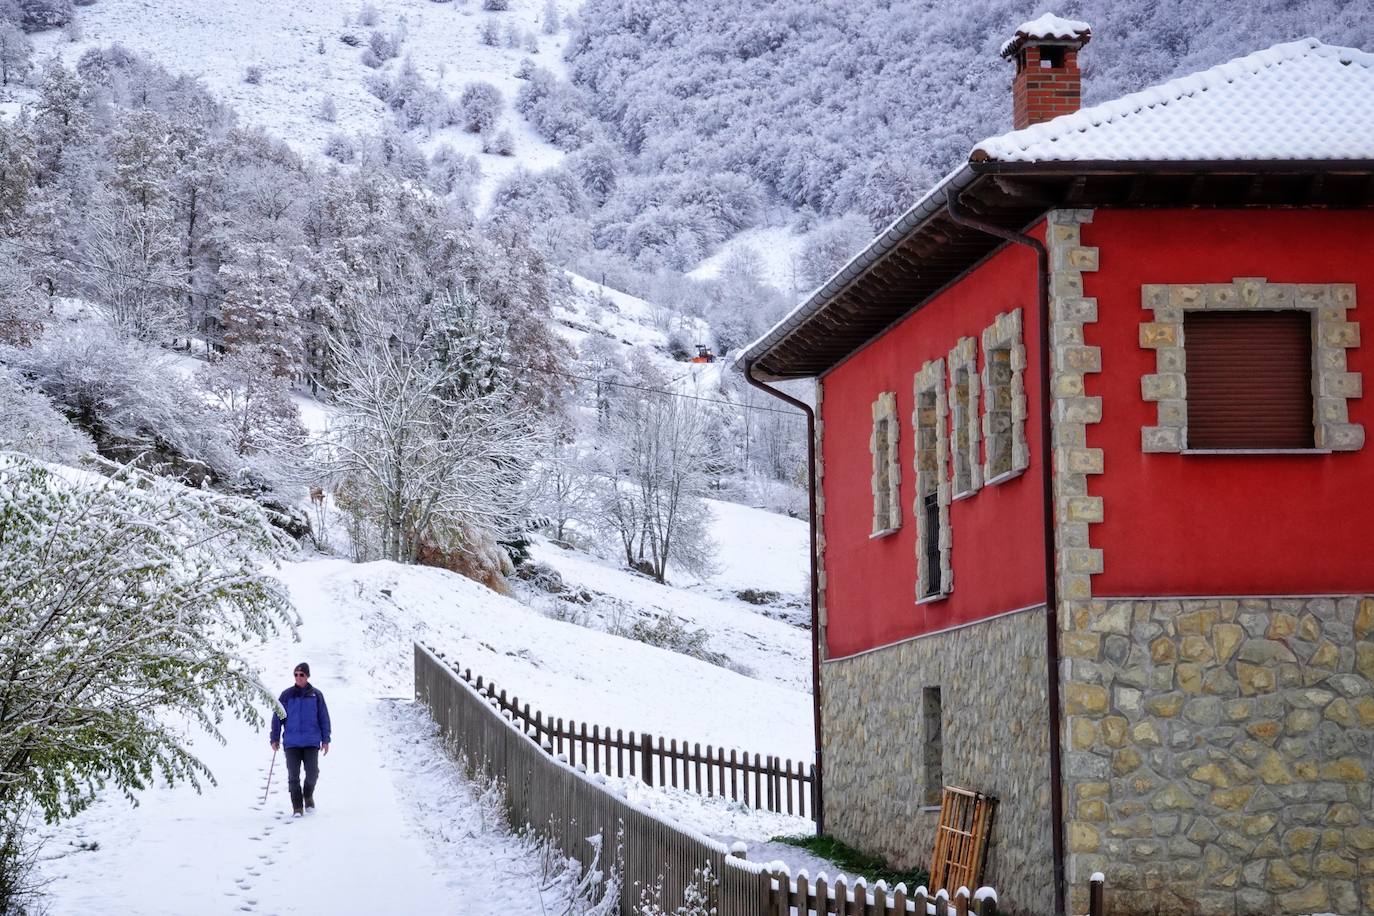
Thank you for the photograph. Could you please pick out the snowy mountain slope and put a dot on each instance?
(217, 42)
(564, 669)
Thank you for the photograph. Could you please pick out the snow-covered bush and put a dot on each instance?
(39, 15)
(124, 604)
(498, 142)
(125, 395)
(29, 423)
(328, 110)
(340, 148)
(481, 105)
(496, 4)
(367, 15)
(451, 171)
(252, 75)
(696, 897)
(489, 33)
(560, 112)
(16, 53)
(549, 20)
(384, 47)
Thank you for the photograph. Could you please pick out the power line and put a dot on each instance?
(301, 319)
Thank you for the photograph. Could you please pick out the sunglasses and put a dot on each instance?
(301, 674)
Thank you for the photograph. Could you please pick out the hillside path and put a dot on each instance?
(396, 831)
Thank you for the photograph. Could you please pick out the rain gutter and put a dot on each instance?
(1042, 260)
(818, 795)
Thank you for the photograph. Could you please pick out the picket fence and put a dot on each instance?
(570, 806)
(766, 782)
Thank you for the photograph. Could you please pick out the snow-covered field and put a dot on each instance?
(217, 42)
(397, 829)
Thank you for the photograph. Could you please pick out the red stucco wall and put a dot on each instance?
(1235, 525)
(996, 533)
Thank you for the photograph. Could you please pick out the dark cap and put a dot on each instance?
(302, 668)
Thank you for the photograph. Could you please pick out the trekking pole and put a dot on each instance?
(269, 776)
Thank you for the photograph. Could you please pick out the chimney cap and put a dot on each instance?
(1048, 29)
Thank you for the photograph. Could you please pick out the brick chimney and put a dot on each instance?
(1047, 82)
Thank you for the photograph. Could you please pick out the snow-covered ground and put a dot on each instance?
(396, 830)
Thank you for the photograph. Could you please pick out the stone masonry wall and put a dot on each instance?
(1220, 753)
(994, 737)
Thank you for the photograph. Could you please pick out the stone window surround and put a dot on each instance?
(965, 356)
(1005, 333)
(885, 414)
(1332, 334)
(931, 379)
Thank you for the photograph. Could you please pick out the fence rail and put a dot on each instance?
(570, 807)
(769, 783)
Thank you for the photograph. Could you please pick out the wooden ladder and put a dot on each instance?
(961, 839)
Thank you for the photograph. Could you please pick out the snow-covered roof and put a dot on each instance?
(1048, 27)
(1302, 100)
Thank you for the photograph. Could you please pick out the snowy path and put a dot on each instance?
(397, 831)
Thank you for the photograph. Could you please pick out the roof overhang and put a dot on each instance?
(925, 250)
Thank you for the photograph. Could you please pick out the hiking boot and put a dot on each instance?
(296, 811)
(310, 801)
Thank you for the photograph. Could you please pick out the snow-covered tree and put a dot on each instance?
(254, 402)
(137, 277)
(481, 105)
(124, 606)
(549, 20)
(431, 446)
(259, 310)
(29, 423)
(565, 490)
(16, 52)
(655, 482)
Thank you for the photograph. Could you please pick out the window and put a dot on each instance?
(1004, 399)
(1250, 365)
(1248, 379)
(887, 470)
(963, 402)
(933, 573)
(934, 748)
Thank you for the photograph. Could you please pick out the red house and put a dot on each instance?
(1093, 501)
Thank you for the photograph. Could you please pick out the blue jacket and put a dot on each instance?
(307, 718)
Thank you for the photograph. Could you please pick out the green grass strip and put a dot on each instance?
(853, 862)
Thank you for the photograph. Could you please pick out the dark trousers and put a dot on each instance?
(295, 756)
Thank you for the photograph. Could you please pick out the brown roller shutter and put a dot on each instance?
(1249, 379)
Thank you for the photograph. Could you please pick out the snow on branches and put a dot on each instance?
(124, 602)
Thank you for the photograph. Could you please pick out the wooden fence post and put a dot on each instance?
(646, 750)
(1096, 902)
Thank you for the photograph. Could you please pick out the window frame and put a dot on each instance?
(966, 422)
(886, 493)
(930, 459)
(1332, 334)
(1005, 333)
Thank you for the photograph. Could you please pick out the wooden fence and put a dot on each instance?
(570, 807)
(765, 782)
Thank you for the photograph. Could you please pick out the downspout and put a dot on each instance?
(1042, 260)
(815, 580)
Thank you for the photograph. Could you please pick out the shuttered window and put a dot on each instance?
(1249, 379)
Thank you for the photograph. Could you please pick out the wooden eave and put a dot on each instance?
(935, 251)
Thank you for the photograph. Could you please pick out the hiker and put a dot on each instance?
(306, 734)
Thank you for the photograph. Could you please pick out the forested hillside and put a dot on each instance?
(859, 105)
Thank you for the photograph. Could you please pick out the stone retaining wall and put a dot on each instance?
(994, 738)
(1219, 753)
